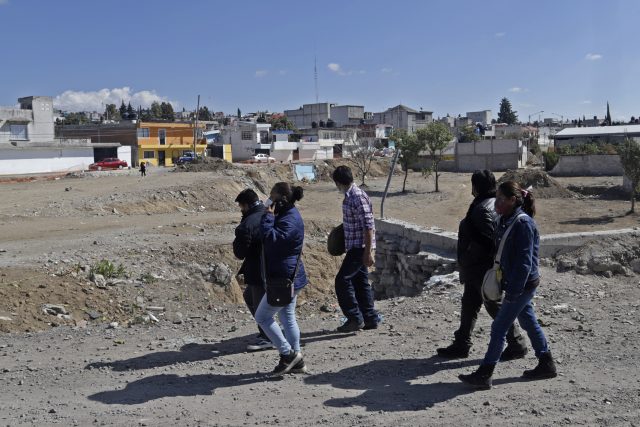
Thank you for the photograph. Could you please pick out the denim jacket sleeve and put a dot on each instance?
(520, 255)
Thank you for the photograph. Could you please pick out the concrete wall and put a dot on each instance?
(495, 155)
(44, 160)
(124, 153)
(588, 165)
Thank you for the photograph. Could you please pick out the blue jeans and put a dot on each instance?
(265, 313)
(522, 310)
(353, 290)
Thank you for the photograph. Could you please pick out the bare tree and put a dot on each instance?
(360, 154)
(629, 152)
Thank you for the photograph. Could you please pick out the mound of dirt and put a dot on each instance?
(379, 168)
(608, 256)
(544, 186)
(208, 164)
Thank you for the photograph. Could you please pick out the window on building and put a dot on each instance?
(143, 133)
(247, 135)
(18, 132)
(149, 154)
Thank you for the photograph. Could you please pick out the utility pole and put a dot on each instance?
(195, 131)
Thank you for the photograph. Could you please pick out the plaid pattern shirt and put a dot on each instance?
(357, 216)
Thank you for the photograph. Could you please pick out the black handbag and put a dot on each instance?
(279, 290)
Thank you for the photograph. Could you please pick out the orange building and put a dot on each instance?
(162, 143)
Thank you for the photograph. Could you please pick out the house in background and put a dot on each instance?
(596, 135)
(162, 143)
(247, 139)
(28, 144)
(403, 117)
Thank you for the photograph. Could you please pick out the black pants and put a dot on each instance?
(353, 290)
(471, 303)
(252, 296)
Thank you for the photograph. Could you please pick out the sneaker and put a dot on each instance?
(299, 368)
(373, 324)
(480, 379)
(287, 362)
(261, 344)
(351, 326)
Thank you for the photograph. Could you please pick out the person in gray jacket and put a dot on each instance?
(475, 256)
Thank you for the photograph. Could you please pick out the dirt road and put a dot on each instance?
(171, 233)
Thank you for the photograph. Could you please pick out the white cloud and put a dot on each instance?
(593, 56)
(261, 73)
(71, 100)
(386, 70)
(282, 72)
(517, 89)
(362, 72)
(4, 2)
(499, 35)
(586, 102)
(336, 68)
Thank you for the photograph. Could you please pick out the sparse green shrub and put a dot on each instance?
(550, 160)
(108, 269)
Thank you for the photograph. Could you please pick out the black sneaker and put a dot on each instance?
(287, 362)
(546, 368)
(299, 368)
(351, 326)
(480, 379)
(373, 324)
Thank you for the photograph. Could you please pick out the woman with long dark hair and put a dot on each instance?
(283, 234)
(520, 279)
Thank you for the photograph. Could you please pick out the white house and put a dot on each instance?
(596, 135)
(247, 139)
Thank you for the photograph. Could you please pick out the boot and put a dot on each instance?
(546, 368)
(454, 351)
(513, 352)
(481, 378)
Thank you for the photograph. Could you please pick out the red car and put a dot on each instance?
(109, 163)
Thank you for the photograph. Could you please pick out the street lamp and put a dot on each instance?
(541, 111)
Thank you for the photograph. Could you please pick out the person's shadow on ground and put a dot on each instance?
(194, 352)
(170, 385)
(388, 386)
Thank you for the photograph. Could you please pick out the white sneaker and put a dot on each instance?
(260, 344)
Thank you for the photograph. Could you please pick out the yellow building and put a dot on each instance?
(162, 143)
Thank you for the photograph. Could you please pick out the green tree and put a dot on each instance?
(629, 152)
(607, 118)
(281, 122)
(436, 137)
(468, 134)
(130, 110)
(123, 110)
(204, 114)
(361, 154)
(409, 148)
(111, 112)
(506, 113)
(76, 118)
(239, 113)
(167, 112)
(155, 111)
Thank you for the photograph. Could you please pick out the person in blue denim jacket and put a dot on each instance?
(520, 279)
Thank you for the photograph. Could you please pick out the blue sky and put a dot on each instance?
(566, 57)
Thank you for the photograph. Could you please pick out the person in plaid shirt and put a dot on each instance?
(353, 289)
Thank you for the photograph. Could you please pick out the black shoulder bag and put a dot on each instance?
(280, 290)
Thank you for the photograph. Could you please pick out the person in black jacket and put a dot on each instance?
(476, 249)
(247, 246)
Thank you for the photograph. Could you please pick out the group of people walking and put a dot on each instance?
(270, 240)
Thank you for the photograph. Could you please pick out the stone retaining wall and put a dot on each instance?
(407, 255)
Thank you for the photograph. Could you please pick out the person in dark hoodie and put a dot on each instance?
(475, 257)
(283, 240)
(519, 277)
(247, 246)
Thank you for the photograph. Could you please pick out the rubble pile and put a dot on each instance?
(606, 257)
(544, 186)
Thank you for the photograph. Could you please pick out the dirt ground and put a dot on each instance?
(171, 232)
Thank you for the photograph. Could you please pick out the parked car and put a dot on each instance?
(187, 157)
(263, 158)
(108, 163)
